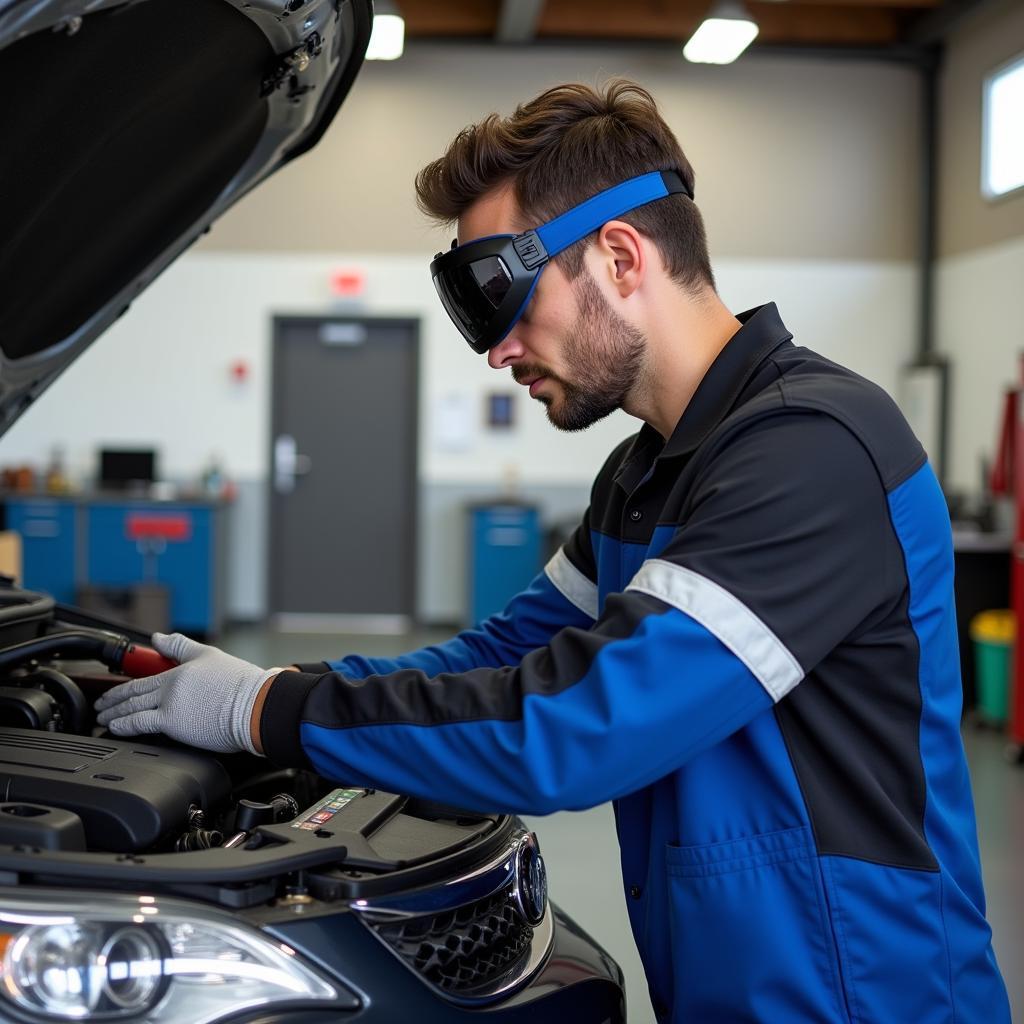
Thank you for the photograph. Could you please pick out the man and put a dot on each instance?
(749, 644)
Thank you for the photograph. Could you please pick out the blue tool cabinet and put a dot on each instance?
(504, 555)
(185, 566)
(120, 542)
(48, 528)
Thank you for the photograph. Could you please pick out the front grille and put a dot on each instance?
(463, 949)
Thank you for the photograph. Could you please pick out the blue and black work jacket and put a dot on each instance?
(749, 645)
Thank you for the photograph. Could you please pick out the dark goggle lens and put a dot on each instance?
(471, 293)
(493, 279)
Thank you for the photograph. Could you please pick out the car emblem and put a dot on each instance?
(531, 881)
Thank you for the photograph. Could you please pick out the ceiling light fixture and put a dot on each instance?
(723, 35)
(387, 40)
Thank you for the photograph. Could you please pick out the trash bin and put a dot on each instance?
(993, 633)
(504, 555)
(145, 606)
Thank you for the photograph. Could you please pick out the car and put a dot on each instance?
(144, 880)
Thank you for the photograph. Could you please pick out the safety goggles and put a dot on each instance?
(485, 285)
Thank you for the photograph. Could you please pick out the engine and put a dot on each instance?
(84, 793)
(67, 785)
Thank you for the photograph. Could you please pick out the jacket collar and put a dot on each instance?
(762, 332)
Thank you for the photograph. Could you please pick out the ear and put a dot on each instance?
(622, 256)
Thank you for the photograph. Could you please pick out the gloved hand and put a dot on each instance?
(206, 701)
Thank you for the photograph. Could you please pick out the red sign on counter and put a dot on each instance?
(140, 525)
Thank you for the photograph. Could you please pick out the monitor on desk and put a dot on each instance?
(122, 468)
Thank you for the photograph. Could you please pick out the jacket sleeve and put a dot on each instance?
(563, 594)
(778, 561)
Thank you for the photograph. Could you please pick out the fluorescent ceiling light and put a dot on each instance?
(722, 36)
(387, 38)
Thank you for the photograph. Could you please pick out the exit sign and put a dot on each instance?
(349, 282)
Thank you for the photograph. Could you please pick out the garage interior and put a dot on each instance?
(844, 167)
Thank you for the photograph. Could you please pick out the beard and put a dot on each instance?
(604, 360)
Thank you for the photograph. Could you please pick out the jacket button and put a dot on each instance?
(636, 515)
(634, 892)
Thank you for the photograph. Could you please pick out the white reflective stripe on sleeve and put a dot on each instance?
(725, 617)
(572, 584)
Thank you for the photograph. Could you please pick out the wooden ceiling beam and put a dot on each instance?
(896, 4)
(805, 24)
(827, 23)
(450, 18)
(857, 23)
(639, 19)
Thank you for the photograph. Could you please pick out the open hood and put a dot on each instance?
(128, 127)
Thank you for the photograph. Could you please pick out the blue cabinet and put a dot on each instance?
(97, 540)
(504, 555)
(48, 528)
(139, 542)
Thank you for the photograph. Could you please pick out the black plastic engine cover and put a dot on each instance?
(128, 795)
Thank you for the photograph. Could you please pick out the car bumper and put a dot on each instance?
(578, 981)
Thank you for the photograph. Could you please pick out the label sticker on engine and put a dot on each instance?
(321, 813)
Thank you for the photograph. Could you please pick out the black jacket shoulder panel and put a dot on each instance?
(811, 383)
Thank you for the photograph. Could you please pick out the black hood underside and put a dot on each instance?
(159, 107)
(129, 127)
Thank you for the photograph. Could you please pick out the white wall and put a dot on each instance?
(981, 244)
(161, 376)
(801, 158)
(979, 328)
(987, 37)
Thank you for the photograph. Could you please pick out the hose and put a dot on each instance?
(116, 652)
(65, 691)
(18, 605)
(79, 644)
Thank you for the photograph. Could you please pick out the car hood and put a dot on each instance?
(128, 127)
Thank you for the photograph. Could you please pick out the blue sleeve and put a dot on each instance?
(592, 716)
(767, 574)
(529, 621)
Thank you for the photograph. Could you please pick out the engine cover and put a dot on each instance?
(129, 795)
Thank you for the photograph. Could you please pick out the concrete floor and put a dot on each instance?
(582, 854)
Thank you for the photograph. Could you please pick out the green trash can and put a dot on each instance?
(993, 633)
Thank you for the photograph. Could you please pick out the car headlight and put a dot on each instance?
(142, 958)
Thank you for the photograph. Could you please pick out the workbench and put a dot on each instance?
(982, 581)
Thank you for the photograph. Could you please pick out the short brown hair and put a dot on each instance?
(558, 150)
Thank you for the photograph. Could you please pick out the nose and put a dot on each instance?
(509, 349)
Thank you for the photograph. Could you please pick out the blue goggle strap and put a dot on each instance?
(577, 223)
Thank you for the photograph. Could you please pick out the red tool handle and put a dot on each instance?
(141, 661)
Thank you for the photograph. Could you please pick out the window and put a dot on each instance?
(1002, 156)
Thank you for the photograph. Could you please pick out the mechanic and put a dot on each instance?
(749, 643)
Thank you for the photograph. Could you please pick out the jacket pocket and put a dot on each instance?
(750, 931)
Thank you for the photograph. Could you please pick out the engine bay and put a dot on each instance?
(77, 804)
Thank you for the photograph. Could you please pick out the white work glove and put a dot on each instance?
(206, 701)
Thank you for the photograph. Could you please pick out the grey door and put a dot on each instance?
(343, 473)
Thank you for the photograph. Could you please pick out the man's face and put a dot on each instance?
(570, 348)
